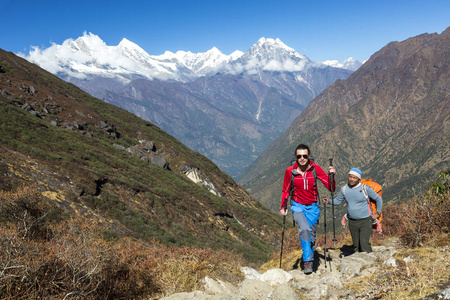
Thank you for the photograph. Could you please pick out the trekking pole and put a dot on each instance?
(325, 230)
(332, 187)
(282, 234)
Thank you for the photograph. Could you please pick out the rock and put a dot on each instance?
(251, 273)
(440, 295)
(390, 262)
(52, 108)
(284, 292)
(252, 289)
(333, 279)
(352, 264)
(219, 287)
(199, 295)
(408, 259)
(35, 113)
(159, 161)
(146, 150)
(119, 147)
(298, 275)
(275, 277)
(195, 175)
(277, 284)
(27, 107)
(313, 288)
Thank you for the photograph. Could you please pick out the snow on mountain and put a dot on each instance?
(88, 55)
(269, 55)
(200, 63)
(348, 64)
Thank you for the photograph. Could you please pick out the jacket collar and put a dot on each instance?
(310, 167)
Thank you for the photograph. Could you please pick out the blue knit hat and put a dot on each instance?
(355, 171)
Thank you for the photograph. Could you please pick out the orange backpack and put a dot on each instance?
(376, 187)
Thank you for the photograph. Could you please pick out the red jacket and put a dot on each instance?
(304, 190)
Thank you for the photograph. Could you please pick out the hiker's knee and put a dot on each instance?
(305, 233)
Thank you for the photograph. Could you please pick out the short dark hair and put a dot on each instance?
(302, 147)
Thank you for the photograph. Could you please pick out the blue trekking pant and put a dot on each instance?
(306, 217)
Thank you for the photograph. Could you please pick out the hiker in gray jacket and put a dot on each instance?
(360, 214)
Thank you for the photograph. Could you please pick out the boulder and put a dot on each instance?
(251, 273)
(284, 292)
(215, 287)
(351, 265)
(252, 289)
(276, 277)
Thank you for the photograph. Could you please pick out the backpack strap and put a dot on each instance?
(291, 188)
(364, 190)
(315, 177)
(291, 191)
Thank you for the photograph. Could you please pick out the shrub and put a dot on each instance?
(73, 260)
(420, 219)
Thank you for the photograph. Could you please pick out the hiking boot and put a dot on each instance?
(308, 267)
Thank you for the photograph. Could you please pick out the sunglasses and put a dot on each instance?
(302, 155)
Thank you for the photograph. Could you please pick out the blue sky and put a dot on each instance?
(321, 30)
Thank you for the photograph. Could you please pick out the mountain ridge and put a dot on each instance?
(90, 48)
(262, 90)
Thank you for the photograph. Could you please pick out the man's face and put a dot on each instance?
(302, 157)
(353, 180)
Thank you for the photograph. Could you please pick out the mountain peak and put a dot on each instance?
(348, 64)
(271, 55)
(89, 42)
(275, 43)
(127, 43)
(214, 50)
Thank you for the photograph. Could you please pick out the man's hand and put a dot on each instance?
(375, 216)
(325, 200)
(283, 211)
(331, 170)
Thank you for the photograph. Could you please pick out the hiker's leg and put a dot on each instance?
(313, 237)
(365, 231)
(354, 232)
(305, 233)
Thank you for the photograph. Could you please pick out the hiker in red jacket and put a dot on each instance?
(305, 208)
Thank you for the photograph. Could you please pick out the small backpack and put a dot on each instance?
(373, 204)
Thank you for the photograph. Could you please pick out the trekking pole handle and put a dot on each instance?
(332, 187)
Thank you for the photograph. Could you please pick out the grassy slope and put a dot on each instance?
(137, 198)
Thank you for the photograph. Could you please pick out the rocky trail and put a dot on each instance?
(343, 269)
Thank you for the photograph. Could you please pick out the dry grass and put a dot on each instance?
(45, 258)
(426, 271)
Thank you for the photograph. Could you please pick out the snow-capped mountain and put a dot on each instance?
(89, 55)
(270, 55)
(201, 63)
(227, 107)
(348, 64)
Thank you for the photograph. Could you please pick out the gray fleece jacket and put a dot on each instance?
(357, 205)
